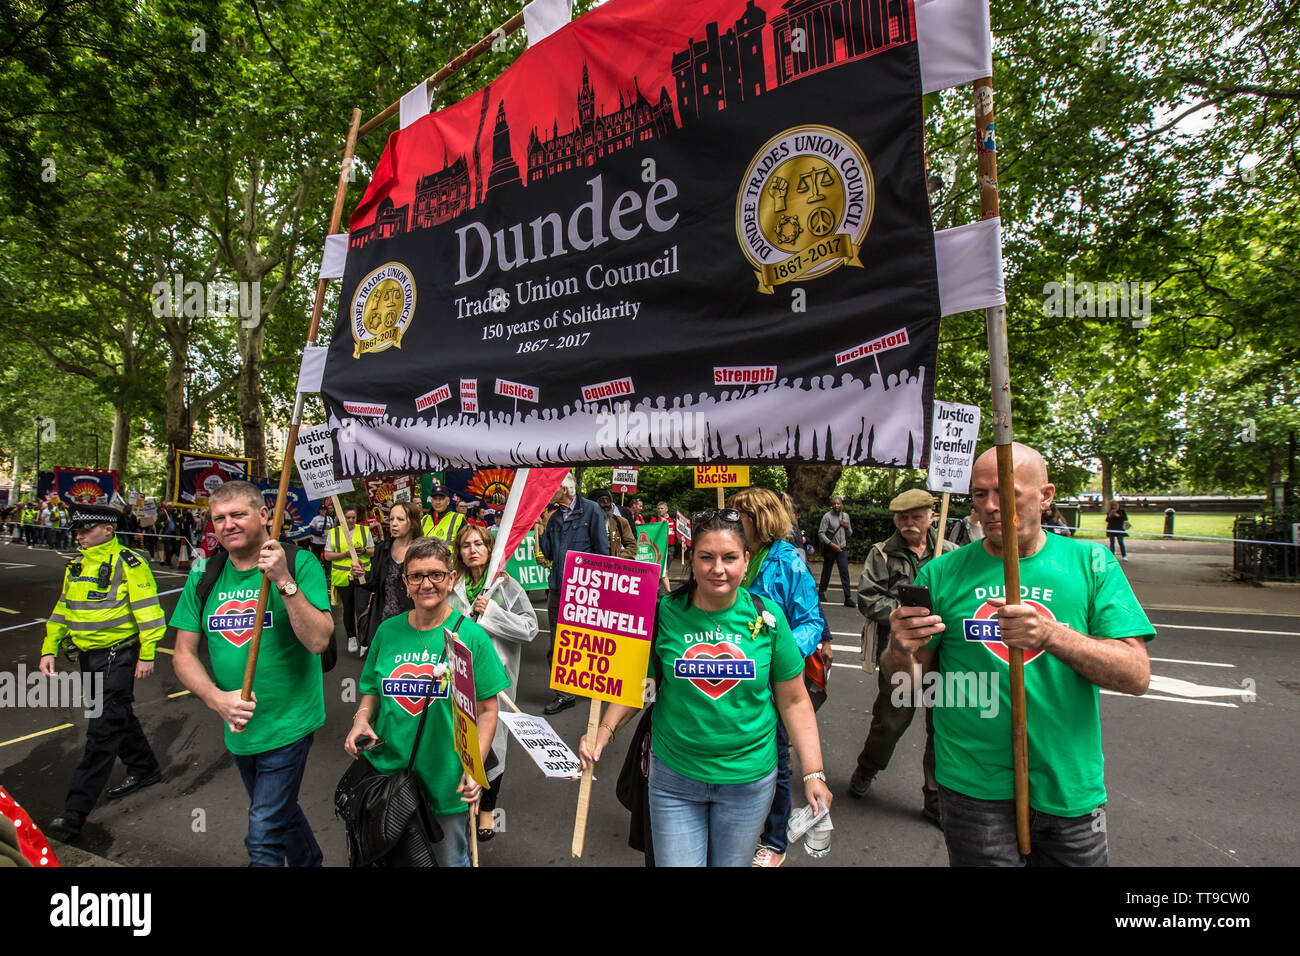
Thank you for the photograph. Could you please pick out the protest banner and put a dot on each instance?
(652, 543)
(87, 486)
(525, 569)
(383, 490)
(519, 234)
(953, 434)
(198, 475)
(624, 481)
(465, 717)
(683, 530)
(546, 748)
(602, 642)
(314, 456)
(299, 508)
(721, 476)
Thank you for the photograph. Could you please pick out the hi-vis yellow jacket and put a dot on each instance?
(445, 528)
(341, 568)
(109, 594)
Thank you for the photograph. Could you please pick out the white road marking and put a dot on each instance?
(1176, 700)
(1175, 660)
(1224, 630)
(1185, 688)
(1216, 610)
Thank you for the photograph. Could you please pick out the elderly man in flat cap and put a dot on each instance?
(892, 562)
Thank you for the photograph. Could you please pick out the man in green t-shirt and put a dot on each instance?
(270, 735)
(1080, 628)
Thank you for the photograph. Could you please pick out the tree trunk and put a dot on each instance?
(1106, 489)
(121, 440)
(811, 486)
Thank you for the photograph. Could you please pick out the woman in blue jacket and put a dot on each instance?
(777, 572)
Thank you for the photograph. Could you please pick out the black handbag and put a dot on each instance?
(386, 817)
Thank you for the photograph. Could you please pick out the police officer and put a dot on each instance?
(445, 521)
(109, 612)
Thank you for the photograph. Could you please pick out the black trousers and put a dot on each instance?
(353, 599)
(114, 733)
(840, 558)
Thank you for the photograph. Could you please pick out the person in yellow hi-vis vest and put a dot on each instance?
(109, 612)
(444, 522)
(336, 553)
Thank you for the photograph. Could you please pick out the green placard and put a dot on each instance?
(523, 566)
(652, 543)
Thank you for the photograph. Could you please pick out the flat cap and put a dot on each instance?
(916, 498)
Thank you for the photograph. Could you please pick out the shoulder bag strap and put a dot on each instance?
(424, 713)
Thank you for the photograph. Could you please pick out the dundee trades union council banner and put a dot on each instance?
(669, 232)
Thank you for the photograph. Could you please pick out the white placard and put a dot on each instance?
(314, 456)
(543, 744)
(955, 430)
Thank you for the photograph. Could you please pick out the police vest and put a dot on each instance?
(341, 568)
(109, 595)
(445, 529)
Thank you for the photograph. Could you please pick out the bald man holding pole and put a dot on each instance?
(1080, 629)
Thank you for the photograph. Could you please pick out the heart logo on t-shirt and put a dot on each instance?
(714, 668)
(408, 684)
(233, 620)
(990, 635)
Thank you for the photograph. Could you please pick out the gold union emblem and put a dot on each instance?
(382, 308)
(804, 206)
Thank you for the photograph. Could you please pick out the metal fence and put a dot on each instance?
(1265, 562)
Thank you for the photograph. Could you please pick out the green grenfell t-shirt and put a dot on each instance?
(714, 718)
(1075, 582)
(288, 683)
(398, 669)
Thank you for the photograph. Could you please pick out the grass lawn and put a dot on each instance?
(1192, 523)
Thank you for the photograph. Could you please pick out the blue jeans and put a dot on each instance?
(706, 824)
(453, 848)
(778, 818)
(278, 832)
(983, 833)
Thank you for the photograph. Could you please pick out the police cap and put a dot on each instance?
(87, 516)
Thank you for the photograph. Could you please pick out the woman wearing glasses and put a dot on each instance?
(408, 651)
(713, 738)
(509, 620)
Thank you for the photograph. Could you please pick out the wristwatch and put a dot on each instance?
(289, 589)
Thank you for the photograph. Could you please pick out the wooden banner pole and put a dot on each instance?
(584, 788)
(473, 53)
(943, 525)
(1000, 384)
(286, 470)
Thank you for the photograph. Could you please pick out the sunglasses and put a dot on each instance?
(434, 577)
(721, 514)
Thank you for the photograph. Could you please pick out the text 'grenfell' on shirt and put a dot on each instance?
(1076, 583)
(398, 670)
(714, 717)
(288, 681)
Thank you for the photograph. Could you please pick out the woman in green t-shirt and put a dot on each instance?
(713, 737)
(408, 651)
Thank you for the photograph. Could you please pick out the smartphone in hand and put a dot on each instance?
(909, 595)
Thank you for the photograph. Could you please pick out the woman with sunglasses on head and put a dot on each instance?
(778, 573)
(384, 579)
(409, 650)
(717, 662)
(510, 621)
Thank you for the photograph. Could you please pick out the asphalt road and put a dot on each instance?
(1198, 773)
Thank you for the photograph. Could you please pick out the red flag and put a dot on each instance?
(530, 493)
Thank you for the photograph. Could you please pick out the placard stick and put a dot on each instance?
(995, 318)
(722, 503)
(508, 702)
(584, 788)
(295, 421)
(338, 510)
(473, 833)
(943, 525)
